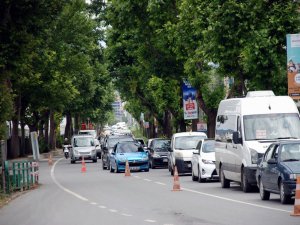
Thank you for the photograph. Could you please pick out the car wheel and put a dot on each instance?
(244, 182)
(95, 160)
(103, 167)
(152, 165)
(194, 178)
(172, 171)
(111, 169)
(225, 183)
(264, 195)
(284, 198)
(200, 179)
(72, 161)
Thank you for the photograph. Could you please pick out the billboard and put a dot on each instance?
(293, 65)
(190, 105)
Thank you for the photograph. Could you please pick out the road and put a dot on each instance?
(68, 197)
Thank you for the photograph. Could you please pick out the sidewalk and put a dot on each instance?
(57, 153)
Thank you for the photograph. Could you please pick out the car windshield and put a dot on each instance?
(208, 146)
(129, 147)
(187, 142)
(161, 145)
(113, 141)
(272, 126)
(83, 142)
(290, 152)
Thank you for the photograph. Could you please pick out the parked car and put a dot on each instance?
(83, 146)
(203, 161)
(108, 146)
(158, 152)
(181, 151)
(131, 151)
(278, 169)
(94, 134)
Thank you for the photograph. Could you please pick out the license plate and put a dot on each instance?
(134, 168)
(165, 160)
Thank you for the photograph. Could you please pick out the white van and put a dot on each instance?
(181, 151)
(245, 127)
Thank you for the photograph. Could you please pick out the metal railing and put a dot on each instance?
(20, 175)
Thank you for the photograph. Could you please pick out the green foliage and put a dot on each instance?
(5, 108)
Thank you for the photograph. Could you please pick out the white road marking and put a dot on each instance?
(160, 183)
(236, 201)
(147, 180)
(113, 210)
(137, 177)
(124, 214)
(62, 187)
(102, 207)
(150, 221)
(93, 203)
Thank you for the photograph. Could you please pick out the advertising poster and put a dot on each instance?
(293, 65)
(190, 106)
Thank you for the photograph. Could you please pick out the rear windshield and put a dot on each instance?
(187, 142)
(129, 147)
(113, 141)
(208, 146)
(161, 145)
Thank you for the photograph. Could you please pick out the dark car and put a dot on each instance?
(278, 169)
(158, 152)
(108, 145)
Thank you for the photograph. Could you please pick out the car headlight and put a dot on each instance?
(122, 159)
(254, 156)
(145, 158)
(293, 176)
(207, 161)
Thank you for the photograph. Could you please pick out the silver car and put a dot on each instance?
(83, 146)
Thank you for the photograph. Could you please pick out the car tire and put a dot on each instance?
(244, 182)
(225, 183)
(284, 198)
(111, 169)
(103, 167)
(152, 165)
(264, 195)
(194, 178)
(172, 171)
(72, 161)
(95, 160)
(200, 179)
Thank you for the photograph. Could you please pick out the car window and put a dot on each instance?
(187, 142)
(83, 142)
(112, 141)
(208, 146)
(128, 147)
(161, 145)
(290, 152)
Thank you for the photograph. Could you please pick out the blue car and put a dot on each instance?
(133, 152)
(278, 169)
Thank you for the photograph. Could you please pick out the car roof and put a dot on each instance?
(296, 141)
(82, 135)
(184, 134)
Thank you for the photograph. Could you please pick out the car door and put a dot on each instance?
(268, 169)
(272, 170)
(195, 158)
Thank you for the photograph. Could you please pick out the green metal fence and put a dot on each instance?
(20, 175)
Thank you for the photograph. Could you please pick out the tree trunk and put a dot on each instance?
(15, 145)
(22, 149)
(68, 128)
(77, 123)
(182, 125)
(211, 123)
(47, 130)
(167, 129)
(52, 142)
(194, 124)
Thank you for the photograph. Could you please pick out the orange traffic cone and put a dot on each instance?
(297, 199)
(176, 185)
(50, 161)
(83, 167)
(127, 169)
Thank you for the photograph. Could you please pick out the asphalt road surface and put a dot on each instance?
(66, 196)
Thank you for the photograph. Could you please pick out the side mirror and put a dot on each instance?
(170, 149)
(236, 138)
(113, 153)
(196, 153)
(272, 161)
